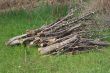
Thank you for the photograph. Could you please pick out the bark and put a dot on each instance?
(56, 46)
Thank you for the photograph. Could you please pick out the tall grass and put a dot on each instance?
(17, 4)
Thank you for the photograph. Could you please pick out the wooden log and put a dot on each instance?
(64, 32)
(69, 31)
(35, 42)
(11, 41)
(19, 40)
(94, 42)
(57, 46)
(81, 48)
(26, 41)
(64, 38)
(15, 42)
(53, 40)
(99, 43)
(82, 17)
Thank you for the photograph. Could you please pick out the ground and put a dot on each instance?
(20, 59)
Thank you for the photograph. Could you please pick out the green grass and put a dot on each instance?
(21, 59)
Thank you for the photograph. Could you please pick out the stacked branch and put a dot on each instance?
(64, 35)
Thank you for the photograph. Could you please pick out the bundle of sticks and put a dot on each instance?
(64, 35)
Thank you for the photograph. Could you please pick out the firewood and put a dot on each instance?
(15, 42)
(27, 40)
(82, 48)
(18, 41)
(70, 30)
(94, 42)
(11, 41)
(99, 43)
(34, 42)
(64, 32)
(64, 35)
(64, 38)
(56, 46)
(82, 17)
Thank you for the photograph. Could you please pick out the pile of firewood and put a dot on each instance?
(67, 34)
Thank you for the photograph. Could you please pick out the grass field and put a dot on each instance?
(20, 59)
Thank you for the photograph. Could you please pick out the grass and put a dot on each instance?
(20, 59)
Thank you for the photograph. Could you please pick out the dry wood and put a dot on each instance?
(34, 42)
(63, 35)
(99, 43)
(15, 42)
(94, 42)
(64, 32)
(18, 40)
(11, 41)
(70, 30)
(82, 17)
(56, 46)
